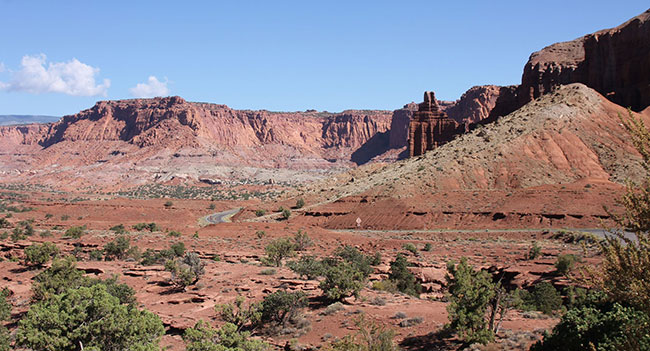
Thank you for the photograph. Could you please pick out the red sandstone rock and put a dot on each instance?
(614, 62)
(399, 125)
(113, 136)
(430, 127)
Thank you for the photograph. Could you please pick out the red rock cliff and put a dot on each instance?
(615, 62)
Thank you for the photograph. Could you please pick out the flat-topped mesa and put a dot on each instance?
(430, 127)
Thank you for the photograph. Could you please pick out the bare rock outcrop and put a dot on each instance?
(399, 125)
(614, 62)
(430, 127)
(482, 103)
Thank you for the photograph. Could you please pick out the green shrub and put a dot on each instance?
(342, 280)
(118, 248)
(178, 248)
(564, 263)
(411, 248)
(118, 229)
(370, 337)
(534, 252)
(361, 262)
(403, 278)
(300, 203)
(174, 234)
(40, 254)
(599, 327)
(65, 217)
(385, 285)
(96, 255)
(63, 275)
(88, 316)
(281, 306)
(286, 213)
(240, 315)
(17, 234)
(279, 249)
(5, 307)
(543, 297)
(307, 266)
(470, 293)
(428, 247)
(168, 204)
(202, 337)
(260, 234)
(75, 232)
(302, 240)
(45, 234)
(152, 227)
(5, 315)
(48, 215)
(186, 271)
(260, 213)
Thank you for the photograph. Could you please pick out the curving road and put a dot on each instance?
(221, 217)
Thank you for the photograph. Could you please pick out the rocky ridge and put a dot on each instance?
(144, 140)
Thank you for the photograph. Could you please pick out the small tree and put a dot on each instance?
(302, 240)
(307, 266)
(470, 293)
(186, 271)
(534, 252)
(118, 229)
(40, 254)
(403, 278)
(178, 248)
(202, 337)
(5, 315)
(544, 297)
(286, 213)
(61, 275)
(564, 264)
(342, 280)
(370, 337)
(279, 249)
(117, 248)
(300, 203)
(281, 306)
(75, 232)
(240, 315)
(88, 317)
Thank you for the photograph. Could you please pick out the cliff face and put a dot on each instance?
(481, 103)
(614, 62)
(28, 134)
(399, 125)
(173, 122)
(170, 137)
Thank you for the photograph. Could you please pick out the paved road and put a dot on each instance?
(221, 217)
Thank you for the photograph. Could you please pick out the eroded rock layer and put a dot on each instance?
(615, 62)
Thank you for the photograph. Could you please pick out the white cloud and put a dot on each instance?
(72, 77)
(152, 88)
(2, 67)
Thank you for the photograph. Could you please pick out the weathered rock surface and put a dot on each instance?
(399, 125)
(483, 103)
(166, 135)
(430, 127)
(614, 62)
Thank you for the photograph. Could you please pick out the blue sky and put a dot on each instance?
(59, 57)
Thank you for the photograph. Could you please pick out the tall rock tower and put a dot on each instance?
(430, 127)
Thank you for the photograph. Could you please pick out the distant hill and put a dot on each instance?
(7, 120)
